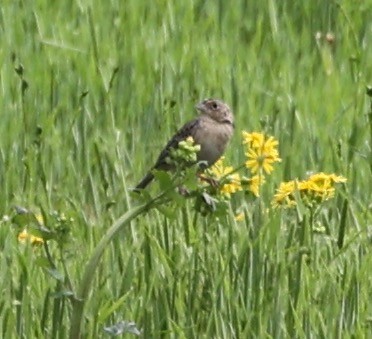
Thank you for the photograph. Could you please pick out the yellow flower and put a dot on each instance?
(261, 152)
(24, 236)
(254, 184)
(233, 185)
(39, 218)
(317, 188)
(284, 194)
(323, 179)
(231, 181)
(253, 139)
(322, 184)
(240, 216)
(219, 170)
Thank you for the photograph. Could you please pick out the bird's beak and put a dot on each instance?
(200, 107)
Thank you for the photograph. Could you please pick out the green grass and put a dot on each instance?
(96, 78)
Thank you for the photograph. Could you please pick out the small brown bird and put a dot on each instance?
(212, 130)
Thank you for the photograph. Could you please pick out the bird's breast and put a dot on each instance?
(213, 139)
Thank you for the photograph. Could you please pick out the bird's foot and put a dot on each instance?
(212, 182)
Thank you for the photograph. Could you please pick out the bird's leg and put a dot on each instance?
(212, 182)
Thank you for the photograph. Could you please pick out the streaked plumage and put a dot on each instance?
(212, 130)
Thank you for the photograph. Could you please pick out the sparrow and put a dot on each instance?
(212, 130)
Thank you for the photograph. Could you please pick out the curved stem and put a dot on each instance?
(91, 266)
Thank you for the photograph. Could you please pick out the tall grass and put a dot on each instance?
(91, 91)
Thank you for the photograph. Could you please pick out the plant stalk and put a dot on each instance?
(90, 268)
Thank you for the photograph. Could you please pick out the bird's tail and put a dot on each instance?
(145, 181)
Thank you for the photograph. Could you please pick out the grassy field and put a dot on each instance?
(90, 93)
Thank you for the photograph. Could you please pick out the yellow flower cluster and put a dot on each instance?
(34, 240)
(261, 153)
(317, 188)
(231, 181)
(25, 236)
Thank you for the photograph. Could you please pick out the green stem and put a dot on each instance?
(90, 268)
(48, 255)
(68, 280)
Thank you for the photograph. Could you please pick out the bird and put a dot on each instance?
(212, 129)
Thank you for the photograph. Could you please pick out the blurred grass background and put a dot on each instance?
(91, 91)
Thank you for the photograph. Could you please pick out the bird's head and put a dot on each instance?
(217, 110)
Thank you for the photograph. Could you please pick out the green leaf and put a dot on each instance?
(164, 179)
(55, 273)
(41, 232)
(62, 294)
(191, 179)
(300, 207)
(142, 196)
(108, 309)
(167, 211)
(43, 262)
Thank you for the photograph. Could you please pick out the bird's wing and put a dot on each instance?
(183, 133)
